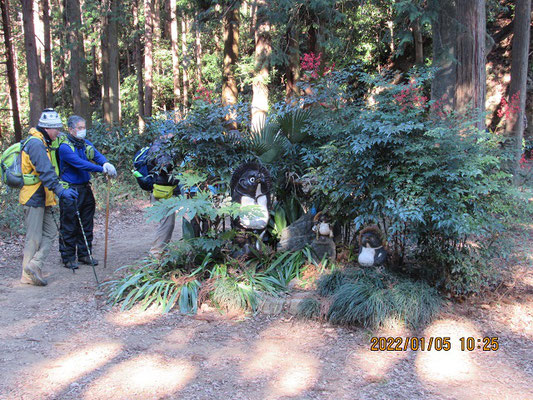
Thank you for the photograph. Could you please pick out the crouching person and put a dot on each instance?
(38, 198)
(77, 158)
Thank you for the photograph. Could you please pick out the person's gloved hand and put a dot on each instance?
(69, 195)
(109, 170)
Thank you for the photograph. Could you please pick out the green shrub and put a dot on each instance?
(431, 181)
(11, 212)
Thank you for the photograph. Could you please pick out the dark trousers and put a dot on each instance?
(71, 238)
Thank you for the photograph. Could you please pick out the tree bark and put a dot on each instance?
(444, 39)
(263, 50)
(138, 67)
(514, 126)
(198, 49)
(39, 41)
(11, 75)
(78, 69)
(292, 75)
(175, 54)
(110, 72)
(148, 58)
(62, 43)
(34, 78)
(470, 52)
(48, 68)
(184, 32)
(419, 44)
(230, 23)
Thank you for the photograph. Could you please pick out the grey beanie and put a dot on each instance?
(50, 119)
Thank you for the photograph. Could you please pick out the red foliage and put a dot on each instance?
(506, 108)
(202, 93)
(312, 64)
(411, 97)
(525, 163)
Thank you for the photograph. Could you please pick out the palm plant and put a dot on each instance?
(266, 142)
(292, 124)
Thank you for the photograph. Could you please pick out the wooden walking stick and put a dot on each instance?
(107, 220)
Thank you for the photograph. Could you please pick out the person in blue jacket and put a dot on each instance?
(77, 159)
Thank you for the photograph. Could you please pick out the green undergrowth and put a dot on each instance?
(372, 298)
(11, 212)
(198, 270)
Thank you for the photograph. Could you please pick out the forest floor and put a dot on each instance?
(63, 342)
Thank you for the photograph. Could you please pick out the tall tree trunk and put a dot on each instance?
(444, 39)
(263, 50)
(293, 67)
(11, 76)
(419, 44)
(528, 132)
(198, 49)
(148, 58)
(175, 54)
(39, 41)
(78, 69)
(156, 10)
(184, 32)
(390, 25)
(61, 43)
(230, 91)
(470, 52)
(111, 89)
(114, 73)
(34, 78)
(138, 66)
(48, 69)
(514, 127)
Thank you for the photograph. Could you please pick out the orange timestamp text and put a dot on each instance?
(438, 343)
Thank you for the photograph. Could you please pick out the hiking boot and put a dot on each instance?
(33, 276)
(87, 260)
(70, 264)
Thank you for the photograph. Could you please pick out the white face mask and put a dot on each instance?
(81, 134)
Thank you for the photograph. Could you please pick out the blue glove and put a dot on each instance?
(69, 195)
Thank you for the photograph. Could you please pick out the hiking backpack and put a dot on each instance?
(141, 171)
(11, 166)
(11, 161)
(54, 152)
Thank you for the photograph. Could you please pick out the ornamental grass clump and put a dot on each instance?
(372, 299)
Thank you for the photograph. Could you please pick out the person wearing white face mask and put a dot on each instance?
(77, 159)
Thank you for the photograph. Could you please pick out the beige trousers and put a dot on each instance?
(163, 233)
(41, 231)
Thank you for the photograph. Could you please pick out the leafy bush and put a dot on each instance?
(11, 212)
(432, 181)
(198, 269)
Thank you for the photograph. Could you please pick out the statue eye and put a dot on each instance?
(252, 179)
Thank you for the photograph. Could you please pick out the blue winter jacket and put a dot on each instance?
(74, 165)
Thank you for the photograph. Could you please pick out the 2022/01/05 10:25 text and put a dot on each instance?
(431, 343)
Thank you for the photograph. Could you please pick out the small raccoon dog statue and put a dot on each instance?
(322, 226)
(371, 249)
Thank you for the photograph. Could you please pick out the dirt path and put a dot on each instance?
(63, 342)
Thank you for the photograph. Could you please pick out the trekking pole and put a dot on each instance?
(60, 235)
(107, 220)
(87, 245)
